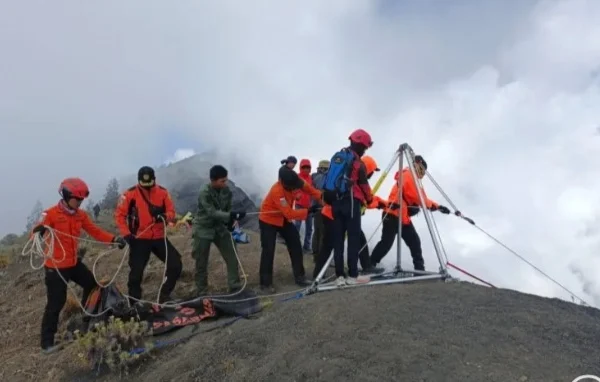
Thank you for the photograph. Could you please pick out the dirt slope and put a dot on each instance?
(420, 332)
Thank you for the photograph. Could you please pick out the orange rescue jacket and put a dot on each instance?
(277, 206)
(410, 195)
(133, 201)
(68, 225)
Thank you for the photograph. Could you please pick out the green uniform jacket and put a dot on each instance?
(214, 207)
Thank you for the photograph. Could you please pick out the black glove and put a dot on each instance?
(314, 208)
(237, 215)
(443, 209)
(394, 206)
(119, 240)
(40, 229)
(381, 205)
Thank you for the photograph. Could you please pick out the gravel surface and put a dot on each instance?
(420, 332)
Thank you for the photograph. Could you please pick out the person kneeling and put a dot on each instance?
(213, 224)
(277, 216)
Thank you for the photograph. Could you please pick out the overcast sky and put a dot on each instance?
(501, 97)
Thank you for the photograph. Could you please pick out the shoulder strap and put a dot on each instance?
(148, 204)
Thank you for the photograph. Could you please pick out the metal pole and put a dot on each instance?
(436, 276)
(426, 212)
(402, 151)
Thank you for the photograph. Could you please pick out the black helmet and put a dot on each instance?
(146, 176)
(290, 179)
(420, 160)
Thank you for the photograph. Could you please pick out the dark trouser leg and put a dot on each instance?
(228, 251)
(201, 253)
(56, 294)
(318, 233)
(326, 245)
(308, 231)
(338, 236)
(172, 258)
(363, 255)
(353, 229)
(413, 242)
(139, 254)
(388, 236)
(83, 277)
(268, 236)
(292, 239)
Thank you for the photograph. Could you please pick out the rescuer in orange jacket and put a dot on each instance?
(276, 216)
(327, 213)
(303, 201)
(409, 207)
(141, 215)
(67, 220)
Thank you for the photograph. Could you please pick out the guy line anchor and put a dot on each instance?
(399, 275)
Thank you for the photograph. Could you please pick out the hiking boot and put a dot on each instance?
(49, 349)
(340, 281)
(268, 289)
(303, 282)
(357, 280)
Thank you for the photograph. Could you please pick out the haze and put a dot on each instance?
(500, 97)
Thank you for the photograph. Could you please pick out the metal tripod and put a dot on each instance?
(398, 275)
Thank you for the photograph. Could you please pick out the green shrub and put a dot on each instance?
(110, 343)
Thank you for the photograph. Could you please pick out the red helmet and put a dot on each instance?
(362, 137)
(73, 188)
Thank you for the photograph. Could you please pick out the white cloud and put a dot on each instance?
(180, 154)
(500, 98)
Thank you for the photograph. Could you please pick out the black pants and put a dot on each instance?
(56, 294)
(317, 239)
(268, 237)
(346, 220)
(139, 255)
(327, 247)
(388, 236)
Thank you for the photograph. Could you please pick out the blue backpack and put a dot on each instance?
(338, 180)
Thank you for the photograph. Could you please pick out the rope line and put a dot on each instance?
(510, 250)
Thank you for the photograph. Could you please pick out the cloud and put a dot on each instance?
(180, 154)
(500, 98)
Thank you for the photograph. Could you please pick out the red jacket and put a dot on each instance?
(361, 189)
(137, 196)
(303, 199)
(68, 225)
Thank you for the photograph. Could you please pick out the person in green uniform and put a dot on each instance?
(213, 224)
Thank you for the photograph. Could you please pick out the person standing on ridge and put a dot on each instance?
(276, 216)
(409, 207)
(318, 180)
(327, 247)
(289, 162)
(346, 189)
(67, 219)
(303, 201)
(96, 211)
(141, 216)
(213, 224)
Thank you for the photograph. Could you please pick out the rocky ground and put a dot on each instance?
(412, 332)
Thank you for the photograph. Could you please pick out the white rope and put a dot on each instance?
(35, 248)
